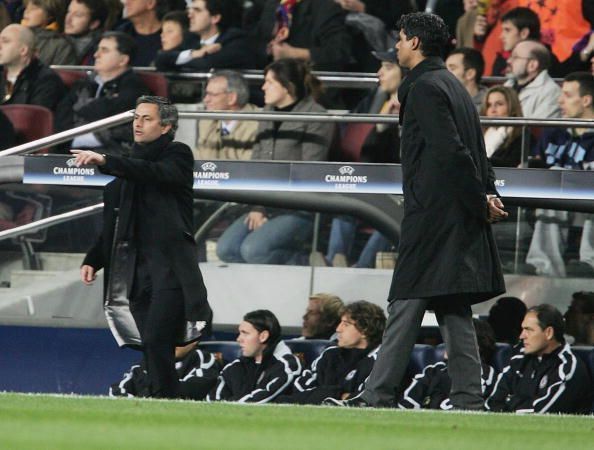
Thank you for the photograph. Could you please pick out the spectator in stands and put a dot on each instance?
(468, 65)
(310, 30)
(175, 33)
(112, 89)
(341, 370)
(503, 144)
(24, 78)
(562, 148)
(46, 19)
(579, 318)
(546, 376)
(144, 25)
(7, 132)
(430, 389)
(277, 237)
(197, 371)
(538, 92)
(465, 24)
(220, 47)
(85, 21)
(266, 368)
(505, 317)
(322, 316)
(226, 139)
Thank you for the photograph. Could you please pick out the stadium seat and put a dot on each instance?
(30, 122)
(352, 139)
(502, 356)
(223, 351)
(156, 82)
(69, 77)
(307, 350)
(421, 356)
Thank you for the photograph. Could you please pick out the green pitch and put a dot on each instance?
(50, 422)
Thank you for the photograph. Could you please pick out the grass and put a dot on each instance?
(68, 422)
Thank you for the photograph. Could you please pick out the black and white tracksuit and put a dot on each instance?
(430, 389)
(337, 371)
(246, 381)
(554, 383)
(197, 372)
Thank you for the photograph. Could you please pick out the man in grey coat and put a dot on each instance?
(447, 255)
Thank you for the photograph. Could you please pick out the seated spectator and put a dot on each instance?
(321, 317)
(175, 33)
(277, 237)
(46, 19)
(503, 144)
(537, 91)
(226, 139)
(505, 317)
(546, 376)
(221, 46)
(85, 21)
(197, 371)
(468, 65)
(340, 371)
(310, 30)
(562, 148)
(24, 79)
(266, 368)
(112, 89)
(143, 24)
(579, 318)
(7, 132)
(430, 389)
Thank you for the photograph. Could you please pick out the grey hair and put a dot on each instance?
(167, 111)
(235, 83)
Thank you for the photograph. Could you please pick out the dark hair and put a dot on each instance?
(55, 9)
(369, 319)
(224, 8)
(541, 54)
(485, 337)
(295, 76)
(98, 10)
(514, 109)
(430, 29)
(524, 18)
(124, 43)
(585, 80)
(505, 317)
(265, 320)
(179, 17)
(471, 59)
(586, 300)
(549, 316)
(168, 114)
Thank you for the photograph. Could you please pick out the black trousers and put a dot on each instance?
(158, 309)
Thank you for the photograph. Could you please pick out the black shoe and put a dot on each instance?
(355, 402)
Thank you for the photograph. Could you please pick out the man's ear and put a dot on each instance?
(549, 333)
(233, 98)
(126, 60)
(216, 19)
(587, 101)
(165, 128)
(470, 74)
(94, 25)
(415, 43)
(524, 33)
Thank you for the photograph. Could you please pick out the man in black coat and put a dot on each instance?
(447, 254)
(154, 293)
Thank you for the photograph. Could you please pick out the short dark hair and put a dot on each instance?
(506, 316)
(98, 10)
(369, 319)
(224, 8)
(471, 59)
(549, 316)
(431, 30)
(124, 43)
(265, 320)
(180, 17)
(585, 80)
(168, 114)
(586, 301)
(524, 18)
(295, 76)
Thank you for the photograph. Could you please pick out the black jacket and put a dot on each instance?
(245, 381)
(151, 200)
(235, 53)
(555, 383)
(37, 84)
(446, 246)
(7, 132)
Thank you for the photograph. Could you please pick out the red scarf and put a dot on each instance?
(284, 17)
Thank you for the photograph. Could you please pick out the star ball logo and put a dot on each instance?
(209, 167)
(209, 175)
(346, 180)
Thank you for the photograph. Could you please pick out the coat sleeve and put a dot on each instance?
(199, 375)
(414, 395)
(310, 378)
(131, 384)
(47, 91)
(497, 401)
(316, 144)
(233, 55)
(94, 256)
(277, 382)
(172, 169)
(223, 389)
(447, 153)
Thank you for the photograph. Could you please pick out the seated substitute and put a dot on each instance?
(579, 318)
(341, 370)
(197, 370)
(430, 389)
(266, 368)
(545, 376)
(321, 317)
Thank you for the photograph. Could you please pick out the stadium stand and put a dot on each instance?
(30, 122)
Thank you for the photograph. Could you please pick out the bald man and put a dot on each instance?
(23, 78)
(528, 66)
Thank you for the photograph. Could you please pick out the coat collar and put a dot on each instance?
(152, 150)
(427, 65)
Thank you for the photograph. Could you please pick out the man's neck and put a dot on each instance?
(554, 345)
(587, 115)
(472, 88)
(14, 70)
(108, 76)
(146, 23)
(416, 59)
(207, 34)
(527, 80)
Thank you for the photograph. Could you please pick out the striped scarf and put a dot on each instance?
(284, 17)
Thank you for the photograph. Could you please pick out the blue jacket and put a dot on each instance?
(562, 148)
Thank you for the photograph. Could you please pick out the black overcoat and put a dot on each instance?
(151, 200)
(446, 248)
